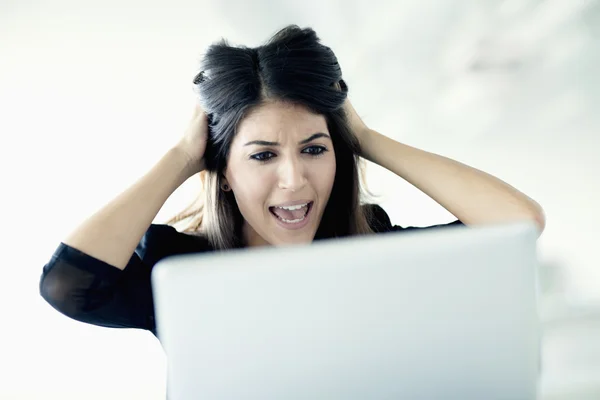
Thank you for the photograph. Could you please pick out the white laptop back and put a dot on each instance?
(437, 314)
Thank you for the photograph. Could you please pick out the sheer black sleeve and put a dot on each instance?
(380, 221)
(89, 290)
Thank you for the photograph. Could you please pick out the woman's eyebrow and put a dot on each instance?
(315, 136)
(308, 139)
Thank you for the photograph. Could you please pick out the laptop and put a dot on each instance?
(432, 314)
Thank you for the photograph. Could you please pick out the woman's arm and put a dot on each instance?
(471, 195)
(113, 232)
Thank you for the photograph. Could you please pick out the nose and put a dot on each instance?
(292, 175)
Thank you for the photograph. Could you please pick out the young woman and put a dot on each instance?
(278, 144)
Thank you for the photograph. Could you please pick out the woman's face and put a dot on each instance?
(281, 169)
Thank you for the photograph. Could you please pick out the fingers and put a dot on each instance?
(198, 110)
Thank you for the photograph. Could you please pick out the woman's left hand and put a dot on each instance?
(357, 125)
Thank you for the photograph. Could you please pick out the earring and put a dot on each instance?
(225, 187)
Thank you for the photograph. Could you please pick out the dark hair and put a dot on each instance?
(293, 67)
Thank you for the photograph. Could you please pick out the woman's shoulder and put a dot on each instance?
(380, 222)
(378, 219)
(162, 240)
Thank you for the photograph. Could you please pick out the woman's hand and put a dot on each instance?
(357, 125)
(193, 142)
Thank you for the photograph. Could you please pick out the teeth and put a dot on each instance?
(292, 208)
(292, 221)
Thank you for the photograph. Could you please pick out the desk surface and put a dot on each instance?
(571, 357)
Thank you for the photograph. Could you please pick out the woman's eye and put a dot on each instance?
(315, 150)
(264, 156)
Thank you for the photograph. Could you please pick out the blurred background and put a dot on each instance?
(93, 93)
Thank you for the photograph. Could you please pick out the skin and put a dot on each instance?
(471, 195)
(299, 167)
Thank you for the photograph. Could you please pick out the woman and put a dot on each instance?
(277, 144)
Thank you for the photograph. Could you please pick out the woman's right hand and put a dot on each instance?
(193, 142)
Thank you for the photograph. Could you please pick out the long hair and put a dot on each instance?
(293, 67)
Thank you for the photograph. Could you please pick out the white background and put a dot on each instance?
(93, 93)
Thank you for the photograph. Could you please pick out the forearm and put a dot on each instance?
(471, 195)
(113, 232)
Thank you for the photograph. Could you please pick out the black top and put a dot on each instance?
(92, 291)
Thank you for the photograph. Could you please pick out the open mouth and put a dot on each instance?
(292, 215)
